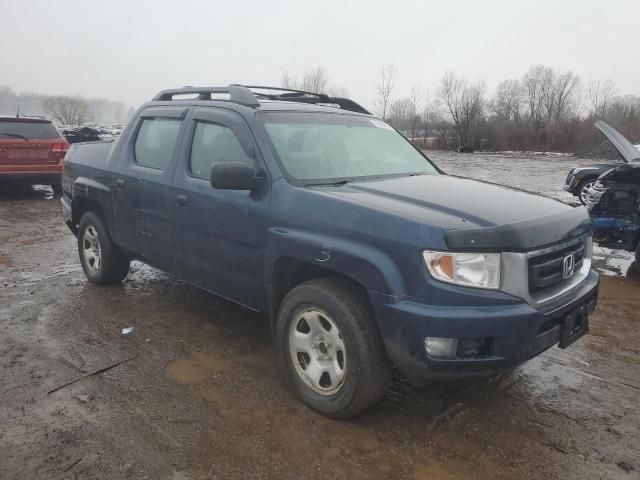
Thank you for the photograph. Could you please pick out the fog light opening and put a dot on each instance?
(441, 347)
(473, 347)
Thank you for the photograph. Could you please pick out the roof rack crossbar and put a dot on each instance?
(237, 94)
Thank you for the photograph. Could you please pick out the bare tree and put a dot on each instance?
(536, 83)
(508, 101)
(287, 81)
(399, 114)
(314, 80)
(335, 91)
(385, 87)
(67, 110)
(464, 103)
(415, 97)
(560, 95)
(599, 96)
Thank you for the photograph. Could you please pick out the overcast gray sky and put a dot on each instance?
(129, 50)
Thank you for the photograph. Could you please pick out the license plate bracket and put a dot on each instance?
(574, 326)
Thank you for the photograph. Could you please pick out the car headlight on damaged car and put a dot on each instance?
(479, 270)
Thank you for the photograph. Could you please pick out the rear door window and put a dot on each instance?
(213, 143)
(156, 141)
(29, 130)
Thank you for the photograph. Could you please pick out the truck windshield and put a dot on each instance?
(317, 148)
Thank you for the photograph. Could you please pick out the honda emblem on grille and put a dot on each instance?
(568, 265)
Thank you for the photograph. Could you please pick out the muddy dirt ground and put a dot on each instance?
(199, 397)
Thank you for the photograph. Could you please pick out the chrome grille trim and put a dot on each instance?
(515, 273)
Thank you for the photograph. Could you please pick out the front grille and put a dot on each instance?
(547, 269)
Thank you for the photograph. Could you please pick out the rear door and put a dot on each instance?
(220, 234)
(143, 201)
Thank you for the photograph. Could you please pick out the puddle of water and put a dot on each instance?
(200, 368)
(205, 366)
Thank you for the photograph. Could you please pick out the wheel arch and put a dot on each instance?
(295, 257)
(89, 196)
(585, 179)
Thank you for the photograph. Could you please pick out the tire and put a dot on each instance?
(638, 252)
(584, 188)
(102, 261)
(57, 188)
(352, 342)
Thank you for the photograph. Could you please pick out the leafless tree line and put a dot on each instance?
(63, 109)
(314, 80)
(67, 110)
(546, 109)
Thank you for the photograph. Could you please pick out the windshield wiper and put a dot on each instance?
(327, 184)
(14, 135)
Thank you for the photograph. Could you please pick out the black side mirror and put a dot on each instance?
(234, 176)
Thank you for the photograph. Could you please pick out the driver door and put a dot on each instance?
(219, 234)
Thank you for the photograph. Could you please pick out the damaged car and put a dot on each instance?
(614, 199)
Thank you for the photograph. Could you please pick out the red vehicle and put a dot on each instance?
(31, 151)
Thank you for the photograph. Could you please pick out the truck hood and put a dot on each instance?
(472, 215)
(461, 201)
(624, 147)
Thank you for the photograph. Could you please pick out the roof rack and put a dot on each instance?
(237, 94)
(244, 95)
(301, 96)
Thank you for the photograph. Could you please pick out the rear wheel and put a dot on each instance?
(331, 348)
(583, 192)
(102, 261)
(57, 188)
(638, 252)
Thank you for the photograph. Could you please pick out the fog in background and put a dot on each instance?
(127, 51)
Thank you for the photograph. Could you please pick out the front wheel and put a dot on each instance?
(102, 261)
(583, 193)
(331, 348)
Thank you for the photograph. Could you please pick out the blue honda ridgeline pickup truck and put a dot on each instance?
(360, 251)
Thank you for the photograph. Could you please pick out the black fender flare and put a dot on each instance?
(85, 189)
(370, 267)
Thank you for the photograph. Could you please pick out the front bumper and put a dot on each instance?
(514, 332)
(570, 184)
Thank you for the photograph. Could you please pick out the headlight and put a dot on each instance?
(481, 270)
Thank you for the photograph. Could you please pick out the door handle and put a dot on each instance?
(181, 200)
(120, 182)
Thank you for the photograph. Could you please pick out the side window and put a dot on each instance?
(156, 141)
(211, 144)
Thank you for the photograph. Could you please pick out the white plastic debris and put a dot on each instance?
(127, 330)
